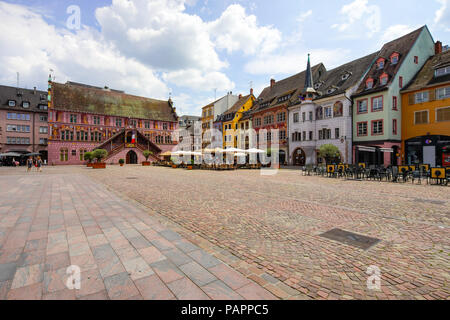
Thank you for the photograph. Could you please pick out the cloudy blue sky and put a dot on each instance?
(190, 48)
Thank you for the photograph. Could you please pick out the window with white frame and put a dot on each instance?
(377, 127)
(11, 103)
(421, 97)
(296, 117)
(362, 106)
(442, 71)
(43, 130)
(443, 93)
(362, 129)
(328, 112)
(25, 104)
(377, 104)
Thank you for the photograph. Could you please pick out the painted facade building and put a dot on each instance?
(23, 121)
(247, 139)
(211, 112)
(377, 103)
(331, 118)
(83, 118)
(426, 113)
(230, 120)
(271, 110)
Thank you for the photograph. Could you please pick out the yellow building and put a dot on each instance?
(207, 122)
(230, 120)
(426, 114)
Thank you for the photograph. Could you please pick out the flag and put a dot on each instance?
(133, 138)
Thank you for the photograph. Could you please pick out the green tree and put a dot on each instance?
(100, 154)
(147, 154)
(88, 156)
(329, 152)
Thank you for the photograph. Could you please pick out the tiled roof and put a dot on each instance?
(22, 95)
(333, 79)
(82, 98)
(425, 77)
(402, 46)
(292, 85)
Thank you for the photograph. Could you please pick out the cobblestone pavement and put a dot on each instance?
(272, 224)
(269, 228)
(49, 222)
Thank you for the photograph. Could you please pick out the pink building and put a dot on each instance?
(23, 121)
(83, 118)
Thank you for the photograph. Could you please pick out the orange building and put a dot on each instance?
(426, 113)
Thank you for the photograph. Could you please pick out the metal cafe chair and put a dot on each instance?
(439, 175)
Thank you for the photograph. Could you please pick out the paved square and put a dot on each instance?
(221, 235)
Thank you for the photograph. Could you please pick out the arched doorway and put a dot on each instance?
(132, 157)
(299, 157)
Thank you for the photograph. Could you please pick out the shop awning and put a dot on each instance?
(367, 149)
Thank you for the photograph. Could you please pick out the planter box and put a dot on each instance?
(99, 166)
(189, 167)
(174, 166)
(146, 163)
(89, 165)
(121, 164)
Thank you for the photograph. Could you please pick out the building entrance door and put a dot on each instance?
(132, 157)
(429, 155)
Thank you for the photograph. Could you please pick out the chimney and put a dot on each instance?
(438, 47)
(272, 82)
(251, 91)
(34, 90)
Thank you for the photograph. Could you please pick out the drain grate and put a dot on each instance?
(350, 238)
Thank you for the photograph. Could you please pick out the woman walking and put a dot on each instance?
(39, 164)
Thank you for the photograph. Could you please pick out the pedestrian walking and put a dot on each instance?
(29, 164)
(39, 164)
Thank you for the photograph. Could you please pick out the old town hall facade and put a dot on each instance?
(82, 118)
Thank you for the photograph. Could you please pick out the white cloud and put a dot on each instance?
(395, 32)
(305, 16)
(160, 34)
(442, 15)
(237, 31)
(359, 13)
(200, 81)
(31, 46)
(293, 62)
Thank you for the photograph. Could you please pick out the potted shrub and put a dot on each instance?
(121, 162)
(99, 155)
(191, 166)
(147, 154)
(88, 156)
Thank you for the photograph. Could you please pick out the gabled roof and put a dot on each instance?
(333, 78)
(22, 95)
(83, 98)
(402, 46)
(235, 108)
(292, 85)
(425, 77)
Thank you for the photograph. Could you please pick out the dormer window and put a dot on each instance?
(25, 104)
(317, 85)
(384, 79)
(380, 64)
(369, 83)
(331, 90)
(394, 58)
(345, 76)
(11, 103)
(284, 98)
(442, 71)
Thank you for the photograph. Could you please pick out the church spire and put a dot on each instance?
(309, 90)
